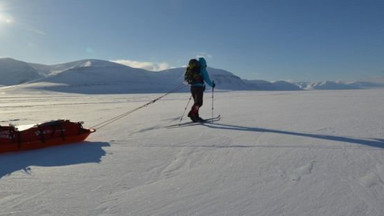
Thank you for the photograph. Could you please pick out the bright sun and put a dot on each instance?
(5, 18)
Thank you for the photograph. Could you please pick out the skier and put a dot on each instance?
(196, 75)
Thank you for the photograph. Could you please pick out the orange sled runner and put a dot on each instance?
(42, 135)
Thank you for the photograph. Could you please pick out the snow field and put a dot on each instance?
(272, 153)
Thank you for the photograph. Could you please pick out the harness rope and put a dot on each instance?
(111, 120)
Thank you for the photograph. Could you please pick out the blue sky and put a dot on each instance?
(297, 40)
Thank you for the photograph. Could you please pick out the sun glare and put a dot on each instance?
(4, 17)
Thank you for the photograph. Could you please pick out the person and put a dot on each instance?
(197, 84)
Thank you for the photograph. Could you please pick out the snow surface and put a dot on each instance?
(273, 153)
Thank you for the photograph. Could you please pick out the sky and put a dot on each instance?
(292, 40)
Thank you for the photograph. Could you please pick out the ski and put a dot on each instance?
(208, 120)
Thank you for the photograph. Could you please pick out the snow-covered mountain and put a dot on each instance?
(278, 85)
(14, 72)
(335, 85)
(99, 76)
(88, 76)
(49, 70)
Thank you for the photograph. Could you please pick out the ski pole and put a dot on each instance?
(212, 101)
(185, 109)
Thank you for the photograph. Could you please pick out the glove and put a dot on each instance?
(213, 84)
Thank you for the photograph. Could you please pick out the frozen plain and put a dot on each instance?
(273, 153)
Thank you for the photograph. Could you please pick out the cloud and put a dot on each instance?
(151, 66)
(204, 55)
(33, 29)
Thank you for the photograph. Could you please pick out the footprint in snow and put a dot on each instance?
(373, 178)
(303, 170)
(370, 180)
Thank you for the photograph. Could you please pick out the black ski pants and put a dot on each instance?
(197, 94)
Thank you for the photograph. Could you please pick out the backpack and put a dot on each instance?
(193, 74)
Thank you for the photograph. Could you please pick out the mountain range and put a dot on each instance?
(99, 76)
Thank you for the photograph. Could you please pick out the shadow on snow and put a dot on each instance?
(85, 152)
(378, 143)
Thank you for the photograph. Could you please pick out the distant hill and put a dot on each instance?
(272, 86)
(94, 76)
(337, 85)
(14, 72)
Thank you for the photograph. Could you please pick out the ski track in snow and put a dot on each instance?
(277, 153)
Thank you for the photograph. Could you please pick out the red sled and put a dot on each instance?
(43, 135)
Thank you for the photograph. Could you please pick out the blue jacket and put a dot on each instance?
(204, 72)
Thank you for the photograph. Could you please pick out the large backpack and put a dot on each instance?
(193, 73)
